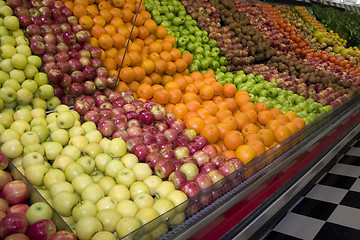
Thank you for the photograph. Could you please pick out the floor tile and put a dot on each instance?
(337, 232)
(346, 170)
(314, 208)
(351, 160)
(356, 186)
(299, 226)
(327, 193)
(273, 235)
(338, 181)
(357, 144)
(346, 216)
(354, 152)
(351, 199)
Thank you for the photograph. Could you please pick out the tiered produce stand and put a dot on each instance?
(133, 119)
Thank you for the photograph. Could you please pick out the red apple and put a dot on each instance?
(178, 179)
(17, 236)
(204, 180)
(211, 150)
(226, 168)
(201, 157)
(15, 192)
(237, 162)
(63, 235)
(191, 188)
(216, 175)
(164, 167)
(13, 223)
(41, 230)
(18, 208)
(207, 167)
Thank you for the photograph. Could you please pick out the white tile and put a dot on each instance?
(346, 216)
(354, 152)
(356, 186)
(327, 193)
(299, 226)
(346, 170)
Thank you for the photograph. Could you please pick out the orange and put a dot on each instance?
(281, 133)
(175, 53)
(249, 129)
(290, 114)
(282, 118)
(193, 105)
(188, 57)
(224, 129)
(151, 25)
(300, 123)
(222, 113)
(267, 136)
(148, 65)
(258, 146)
(139, 73)
(241, 99)
(259, 106)
(211, 133)
(86, 22)
(206, 92)
(252, 115)
(118, 3)
(218, 88)
(275, 111)
(245, 153)
(181, 65)
(105, 41)
(203, 112)
(127, 74)
(79, 11)
(211, 106)
(175, 95)
(210, 120)
(273, 124)
(292, 127)
(110, 64)
(99, 20)
(229, 90)
(231, 121)
(161, 32)
(161, 96)
(233, 139)
(127, 15)
(229, 153)
(232, 104)
(145, 91)
(195, 123)
(265, 116)
(179, 110)
(241, 119)
(247, 106)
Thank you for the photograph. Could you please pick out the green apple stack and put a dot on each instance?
(89, 180)
(22, 85)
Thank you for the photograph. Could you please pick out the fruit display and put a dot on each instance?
(128, 118)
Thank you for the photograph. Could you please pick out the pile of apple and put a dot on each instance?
(230, 45)
(73, 66)
(172, 151)
(22, 85)
(18, 220)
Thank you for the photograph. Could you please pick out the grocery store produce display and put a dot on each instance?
(129, 118)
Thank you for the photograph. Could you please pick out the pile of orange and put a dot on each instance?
(225, 116)
(150, 57)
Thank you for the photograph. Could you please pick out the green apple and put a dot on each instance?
(80, 182)
(93, 136)
(12, 83)
(52, 126)
(129, 160)
(76, 115)
(28, 138)
(18, 75)
(30, 71)
(6, 11)
(2, 129)
(6, 119)
(72, 170)
(101, 161)
(88, 126)
(51, 117)
(179, 199)
(41, 131)
(190, 170)
(7, 94)
(159, 231)
(34, 147)
(7, 50)
(62, 186)
(103, 235)
(79, 141)
(163, 189)
(112, 167)
(142, 171)
(8, 40)
(46, 91)
(11, 23)
(119, 192)
(3, 77)
(19, 107)
(38, 121)
(31, 159)
(53, 176)
(62, 108)
(178, 219)
(117, 147)
(38, 211)
(24, 49)
(87, 227)
(8, 135)
(92, 192)
(17, 33)
(87, 163)
(125, 177)
(92, 150)
(62, 161)
(166, 207)
(52, 103)
(35, 173)
(71, 151)
(39, 103)
(21, 40)
(144, 200)
(106, 183)
(24, 96)
(61, 136)
(106, 203)
(12, 148)
(96, 175)
(127, 225)
(127, 208)
(6, 65)
(76, 131)
(9, 107)
(84, 208)
(3, 30)
(52, 150)
(40, 78)
(153, 181)
(23, 114)
(64, 202)
(146, 215)
(36, 61)
(19, 60)
(105, 144)
(109, 219)
(138, 187)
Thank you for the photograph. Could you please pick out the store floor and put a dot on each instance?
(331, 209)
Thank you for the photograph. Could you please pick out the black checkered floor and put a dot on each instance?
(331, 209)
